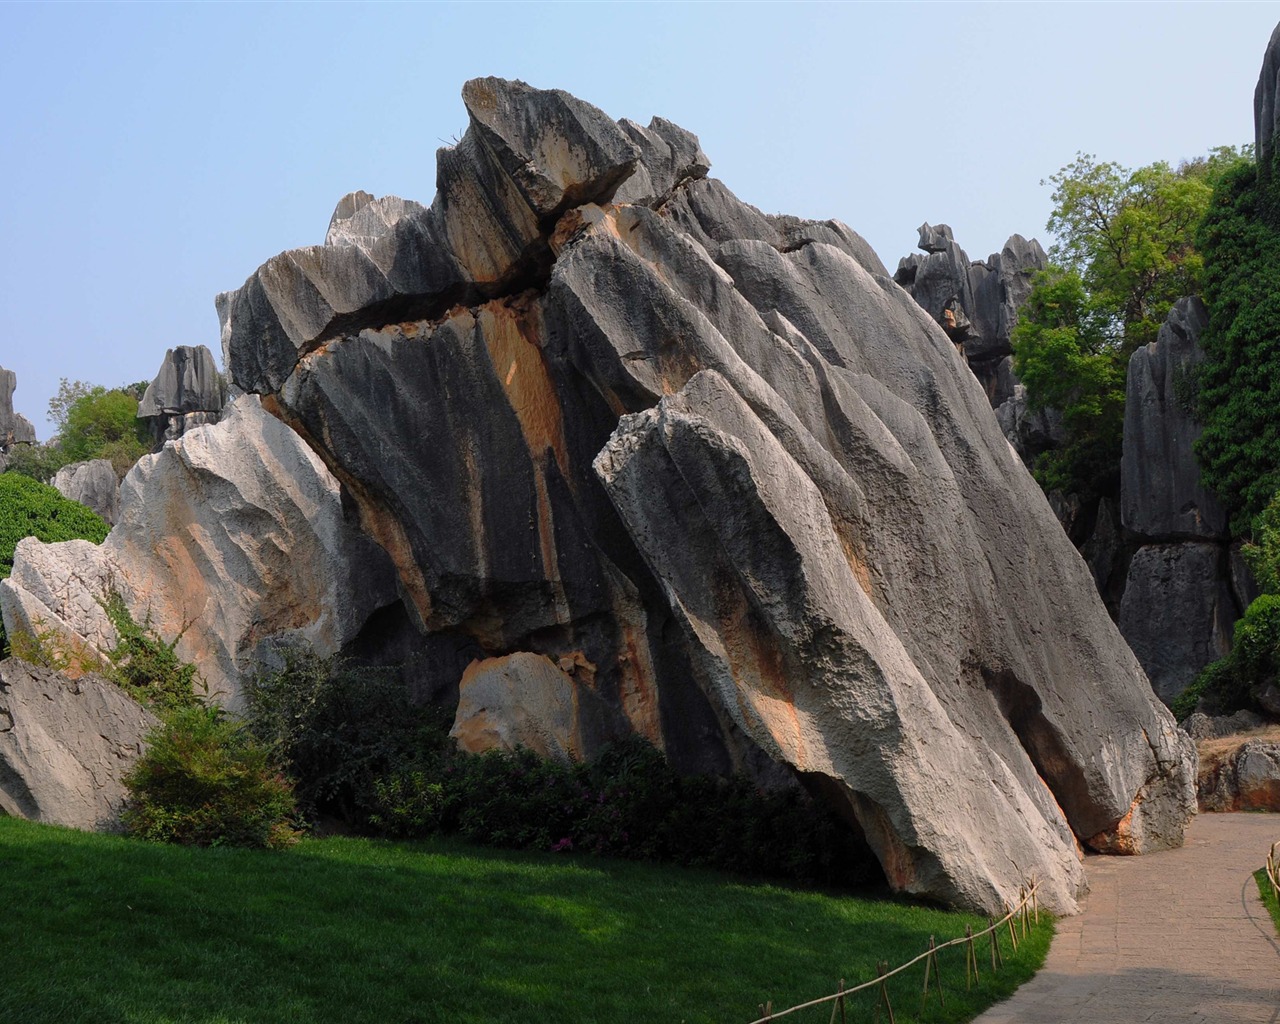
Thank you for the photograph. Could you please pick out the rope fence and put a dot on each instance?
(1017, 921)
(1273, 869)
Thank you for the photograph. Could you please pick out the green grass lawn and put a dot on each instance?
(104, 929)
(1268, 896)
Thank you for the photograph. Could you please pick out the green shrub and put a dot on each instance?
(337, 727)
(627, 802)
(205, 781)
(1232, 683)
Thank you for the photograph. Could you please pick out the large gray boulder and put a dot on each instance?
(975, 302)
(231, 538)
(733, 476)
(188, 391)
(1161, 496)
(1266, 107)
(66, 745)
(14, 427)
(93, 484)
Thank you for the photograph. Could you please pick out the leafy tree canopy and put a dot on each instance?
(1125, 251)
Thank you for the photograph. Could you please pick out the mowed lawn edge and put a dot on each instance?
(106, 929)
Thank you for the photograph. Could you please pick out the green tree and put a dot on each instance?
(104, 424)
(1124, 253)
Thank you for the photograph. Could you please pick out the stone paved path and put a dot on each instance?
(1175, 938)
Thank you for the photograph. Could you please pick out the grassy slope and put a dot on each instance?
(106, 929)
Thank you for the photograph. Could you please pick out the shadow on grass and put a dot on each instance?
(104, 929)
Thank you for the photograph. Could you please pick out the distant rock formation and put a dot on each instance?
(680, 469)
(231, 538)
(187, 392)
(1184, 587)
(1266, 107)
(976, 303)
(14, 427)
(65, 746)
(93, 484)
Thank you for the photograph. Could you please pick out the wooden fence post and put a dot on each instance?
(882, 967)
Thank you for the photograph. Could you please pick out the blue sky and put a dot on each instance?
(153, 155)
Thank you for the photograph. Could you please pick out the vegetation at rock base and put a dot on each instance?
(1239, 380)
(29, 508)
(203, 780)
(1125, 253)
(357, 931)
(359, 749)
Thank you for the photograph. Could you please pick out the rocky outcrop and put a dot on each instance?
(726, 470)
(1160, 491)
(1243, 778)
(14, 427)
(1185, 584)
(232, 537)
(1266, 108)
(65, 746)
(93, 484)
(976, 303)
(187, 392)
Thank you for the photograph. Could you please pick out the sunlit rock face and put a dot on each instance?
(677, 468)
(14, 427)
(231, 538)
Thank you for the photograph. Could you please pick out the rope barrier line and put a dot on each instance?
(1027, 900)
(1273, 869)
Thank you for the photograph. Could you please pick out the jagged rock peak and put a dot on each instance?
(187, 392)
(935, 238)
(1266, 105)
(14, 427)
(684, 470)
(975, 302)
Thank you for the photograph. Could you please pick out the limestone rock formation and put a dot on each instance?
(93, 484)
(187, 392)
(975, 302)
(1185, 585)
(1245, 778)
(725, 462)
(1266, 107)
(65, 745)
(1160, 491)
(231, 537)
(14, 427)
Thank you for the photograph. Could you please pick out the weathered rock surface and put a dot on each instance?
(1266, 107)
(1200, 726)
(231, 537)
(1160, 491)
(733, 468)
(975, 302)
(65, 745)
(527, 700)
(1246, 778)
(187, 392)
(14, 427)
(1177, 612)
(93, 484)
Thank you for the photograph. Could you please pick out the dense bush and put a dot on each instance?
(205, 781)
(29, 508)
(627, 802)
(337, 727)
(1239, 380)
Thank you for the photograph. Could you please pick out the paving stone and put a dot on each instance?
(1179, 937)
